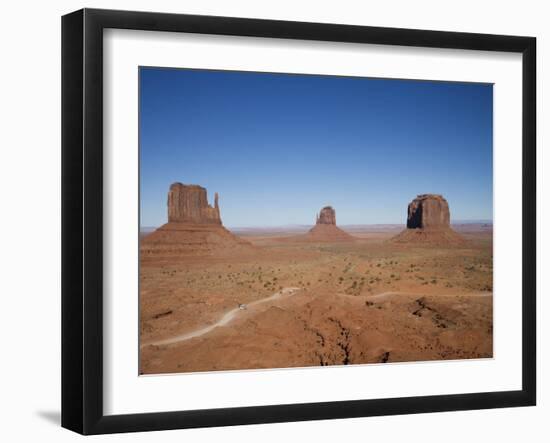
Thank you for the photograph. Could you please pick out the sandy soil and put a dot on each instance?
(317, 304)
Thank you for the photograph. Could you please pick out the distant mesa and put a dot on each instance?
(327, 216)
(429, 222)
(325, 229)
(194, 226)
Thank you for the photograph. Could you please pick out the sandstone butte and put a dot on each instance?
(194, 226)
(429, 222)
(325, 229)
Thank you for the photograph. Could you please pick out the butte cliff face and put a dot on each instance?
(325, 229)
(429, 222)
(327, 216)
(428, 211)
(194, 227)
(189, 204)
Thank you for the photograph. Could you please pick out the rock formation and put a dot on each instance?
(428, 222)
(194, 227)
(327, 216)
(428, 211)
(189, 204)
(325, 229)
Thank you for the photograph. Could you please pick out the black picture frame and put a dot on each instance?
(82, 218)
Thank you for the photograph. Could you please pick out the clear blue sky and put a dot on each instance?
(279, 147)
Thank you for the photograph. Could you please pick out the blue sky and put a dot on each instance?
(278, 147)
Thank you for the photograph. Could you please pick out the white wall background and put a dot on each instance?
(30, 217)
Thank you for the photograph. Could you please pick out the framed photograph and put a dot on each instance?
(269, 221)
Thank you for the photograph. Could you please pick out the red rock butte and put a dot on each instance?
(325, 229)
(428, 211)
(189, 204)
(327, 216)
(194, 226)
(429, 222)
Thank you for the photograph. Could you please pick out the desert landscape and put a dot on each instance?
(216, 299)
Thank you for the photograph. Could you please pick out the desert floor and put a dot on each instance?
(307, 304)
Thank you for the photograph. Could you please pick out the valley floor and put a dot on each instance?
(290, 304)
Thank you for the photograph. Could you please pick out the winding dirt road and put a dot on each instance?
(231, 315)
(224, 320)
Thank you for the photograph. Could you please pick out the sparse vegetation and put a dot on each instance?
(338, 281)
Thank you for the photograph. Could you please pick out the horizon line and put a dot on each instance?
(290, 225)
